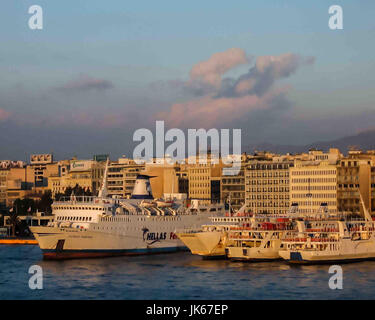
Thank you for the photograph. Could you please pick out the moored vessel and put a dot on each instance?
(259, 242)
(335, 240)
(85, 227)
(210, 240)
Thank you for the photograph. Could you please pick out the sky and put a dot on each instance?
(99, 70)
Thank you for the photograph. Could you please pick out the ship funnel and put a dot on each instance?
(142, 187)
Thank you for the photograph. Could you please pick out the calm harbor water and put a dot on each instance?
(175, 276)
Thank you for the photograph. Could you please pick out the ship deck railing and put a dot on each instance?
(325, 240)
(188, 230)
(80, 199)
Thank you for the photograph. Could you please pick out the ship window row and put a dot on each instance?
(270, 205)
(120, 219)
(66, 218)
(268, 166)
(77, 208)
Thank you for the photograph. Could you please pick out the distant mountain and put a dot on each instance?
(363, 141)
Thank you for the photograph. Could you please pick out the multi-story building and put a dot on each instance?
(121, 177)
(233, 188)
(85, 173)
(313, 184)
(205, 179)
(42, 166)
(267, 185)
(183, 179)
(356, 176)
(3, 186)
(169, 178)
(372, 194)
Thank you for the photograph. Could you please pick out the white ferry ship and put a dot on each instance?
(101, 226)
(263, 239)
(259, 242)
(332, 240)
(210, 240)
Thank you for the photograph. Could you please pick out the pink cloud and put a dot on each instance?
(233, 99)
(208, 111)
(4, 115)
(282, 65)
(211, 70)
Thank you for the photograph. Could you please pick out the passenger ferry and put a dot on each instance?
(259, 242)
(263, 240)
(210, 240)
(85, 227)
(331, 241)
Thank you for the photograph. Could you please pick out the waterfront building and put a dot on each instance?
(85, 173)
(356, 176)
(3, 185)
(233, 187)
(205, 180)
(267, 185)
(313, 184)
(121, 177)
(42, 167)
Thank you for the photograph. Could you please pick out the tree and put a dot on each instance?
(24, 206)
(78, 191)
(58, 196)
(19, 227)
(13, 220)
(68, 192)
(45, 202)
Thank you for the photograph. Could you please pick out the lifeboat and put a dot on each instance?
(161, 203)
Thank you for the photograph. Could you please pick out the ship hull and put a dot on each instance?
(138, 236)
(86, 254)
(354, 252)
(208, 245)
(253, 254)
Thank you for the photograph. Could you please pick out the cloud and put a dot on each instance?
(86, 83)
(4, 115)
(267, 70)
(217, 101)
(208, 111)
(209, 72)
